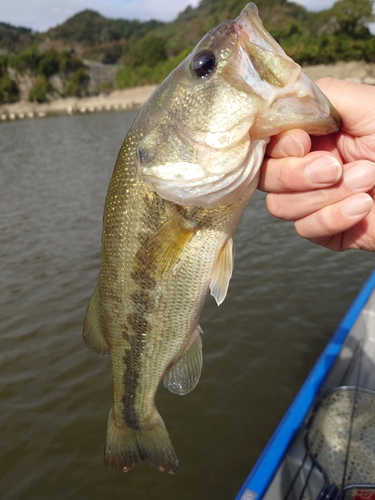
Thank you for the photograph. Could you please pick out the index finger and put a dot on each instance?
(315, 170)
(294, 142)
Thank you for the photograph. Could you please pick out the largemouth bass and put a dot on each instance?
(184, 175)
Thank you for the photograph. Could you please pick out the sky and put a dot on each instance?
(40, 15)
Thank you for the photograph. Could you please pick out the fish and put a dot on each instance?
(183, 177)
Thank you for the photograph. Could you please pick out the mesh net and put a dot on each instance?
(341, 436)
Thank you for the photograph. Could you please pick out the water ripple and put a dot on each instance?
(285, 300)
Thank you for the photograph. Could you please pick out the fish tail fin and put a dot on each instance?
(126, 446)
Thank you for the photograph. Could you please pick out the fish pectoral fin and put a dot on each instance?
(161, 251)
(184, 375)
(92, 332)
(222, 272)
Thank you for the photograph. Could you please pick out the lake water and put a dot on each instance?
(285, 300)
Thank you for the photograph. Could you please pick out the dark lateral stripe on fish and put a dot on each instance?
(132, 357)
(130, 382)
(144, 280)
(140, 329)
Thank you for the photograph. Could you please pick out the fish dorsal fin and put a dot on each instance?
(184, 375)
(222, 272)
(92, 332)
(162, 249)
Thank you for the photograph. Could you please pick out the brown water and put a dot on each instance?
(285, 300)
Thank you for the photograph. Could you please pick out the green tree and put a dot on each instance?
(149, 51)
(77, 84)
(69, 64)
(49, 63)
(352, 16)
(4, 61)
(27, 59)
(8, 90)
(130, 76)
(40, 89)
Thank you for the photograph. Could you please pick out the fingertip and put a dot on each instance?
(320, 226)
(295, 143)
(360, 175)
(324, 170)
(357, 206)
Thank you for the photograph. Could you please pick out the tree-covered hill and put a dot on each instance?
(90, 28)
(57, 62)
(14, 38)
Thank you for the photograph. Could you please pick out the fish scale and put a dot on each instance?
(183, 178)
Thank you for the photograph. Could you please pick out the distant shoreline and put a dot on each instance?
(134, 98)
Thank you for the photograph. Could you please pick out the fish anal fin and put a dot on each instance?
(222, 272)
(184, 375)
(161, 250)
(126, 446)
(92, 332)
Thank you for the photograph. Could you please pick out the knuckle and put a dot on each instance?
(321, 225)
(277, 206)
(283, 175)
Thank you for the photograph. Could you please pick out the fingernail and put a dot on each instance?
(324, 170)
(359, 204)
(290, 145)
(360, 176)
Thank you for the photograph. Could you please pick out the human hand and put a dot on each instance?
(326, 184)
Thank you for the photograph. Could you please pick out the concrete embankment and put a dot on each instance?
(118, 100)
(354, 71)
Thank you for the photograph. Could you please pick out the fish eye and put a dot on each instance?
(204, 63)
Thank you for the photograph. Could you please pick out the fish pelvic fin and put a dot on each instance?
(126, 446)
(92, 332)
(160, 252)
(222, 272)
(184, 374)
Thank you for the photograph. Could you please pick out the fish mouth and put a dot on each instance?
(271, 74)
(249, 26)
